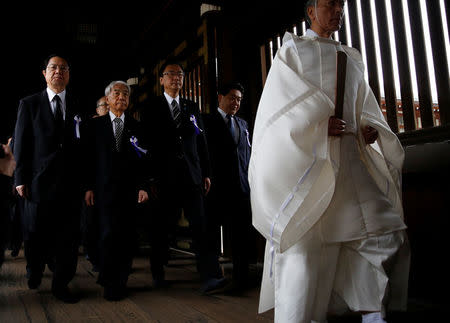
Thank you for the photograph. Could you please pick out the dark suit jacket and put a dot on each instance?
(48, 163)
(114, 176)
(229, 160)
(170, 145)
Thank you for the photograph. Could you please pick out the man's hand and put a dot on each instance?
(207, 185)
(7, 163)
(22, 190)
(142, 196)
(336, 126)
(89, 198)
(370, 134)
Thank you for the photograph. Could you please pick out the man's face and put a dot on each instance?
(231, 102)
(329, 15)
(172, 78)
(119, 98)
(102, 107)
(57, 74)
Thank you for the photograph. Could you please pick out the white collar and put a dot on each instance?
(170, 99)
(222, 113)
(113, 116)
(51, 94)
(313, 35)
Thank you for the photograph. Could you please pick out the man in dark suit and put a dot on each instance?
(175, 129)
(229, 200)
(116, 182)
(47, 153)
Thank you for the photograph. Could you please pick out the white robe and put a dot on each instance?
(295, 165)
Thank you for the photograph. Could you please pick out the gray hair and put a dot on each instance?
(111, 85)
(309, 3)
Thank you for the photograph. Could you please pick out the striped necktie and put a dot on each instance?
(176, 113)
(119, 130)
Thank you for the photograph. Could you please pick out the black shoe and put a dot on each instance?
(213, 285)
(34, 281)
(65, 295)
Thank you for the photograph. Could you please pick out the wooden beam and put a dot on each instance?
(386, 64)
(420, 58)
(370, 49)
(403, 66)
(439, 60)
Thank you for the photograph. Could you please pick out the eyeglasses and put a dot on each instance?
(173, 74)
(54, 67)
(102, 105)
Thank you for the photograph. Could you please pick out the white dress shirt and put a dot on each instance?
(233, 120)
(62, 96)
(169, 101)
(113, 116)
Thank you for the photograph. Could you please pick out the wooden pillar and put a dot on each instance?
(370, 49)
(342, 34)
(386, 63)
(440, 60)
(354, 27)
(420, 57)
(211, 80)
(403, 66)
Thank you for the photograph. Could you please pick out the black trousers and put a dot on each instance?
(117, 239)
(182, 194)
(233, 213)
(54, 233)
(90, 233)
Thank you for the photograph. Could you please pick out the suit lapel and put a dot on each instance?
(128, 131)
(165, 111)
(108, 129)
(242, 132)
(218, 119)
(46, 112)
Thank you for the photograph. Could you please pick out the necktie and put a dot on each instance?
(119, 130)
(59, 120)
(176, 113)
(231, 126)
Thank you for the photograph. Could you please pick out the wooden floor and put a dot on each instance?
(181, 302)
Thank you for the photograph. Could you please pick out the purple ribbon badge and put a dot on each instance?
(138, 149)
(77, 121)
(194, 121)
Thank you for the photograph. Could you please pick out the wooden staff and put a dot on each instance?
(341, 69)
